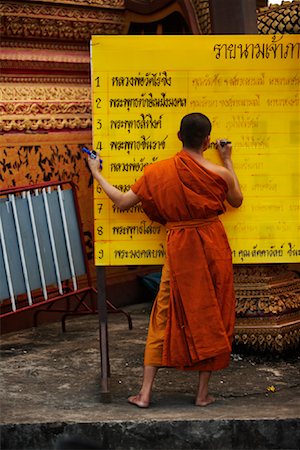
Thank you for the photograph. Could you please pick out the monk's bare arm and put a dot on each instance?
(123, 200)
(234, 194)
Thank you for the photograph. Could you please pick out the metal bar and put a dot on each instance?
(46, 302)
(54, 253)
(20, 243)
(7, 268)
(37, 246)
(102, 311)
(30, 187)
(67, 237)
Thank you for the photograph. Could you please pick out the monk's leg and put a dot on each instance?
(142, 399)
(158, 321)
(155, 340)
(203, 398)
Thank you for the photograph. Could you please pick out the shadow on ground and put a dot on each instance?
(51, 388)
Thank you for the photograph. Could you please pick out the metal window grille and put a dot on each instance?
(42, 252)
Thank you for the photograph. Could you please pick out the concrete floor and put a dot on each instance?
(51, 389)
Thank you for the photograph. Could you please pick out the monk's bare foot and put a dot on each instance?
(137, 400)
(205, 401)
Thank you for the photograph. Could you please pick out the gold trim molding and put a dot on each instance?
(39, 28)
(46, 93)
(58, 10)
(95, 3)
(277, 339)
(59, 22)
(63, 46)
(34, 108)
(262, 274)
(54, 79)
(45, 123)
(267, 307)
(30, 108)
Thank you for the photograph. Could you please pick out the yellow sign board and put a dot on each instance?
(248, 85)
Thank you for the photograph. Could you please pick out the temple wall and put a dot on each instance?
(45, 105)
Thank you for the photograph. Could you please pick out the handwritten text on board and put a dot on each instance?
(248, 86)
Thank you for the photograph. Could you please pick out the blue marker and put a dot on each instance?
(92, 154)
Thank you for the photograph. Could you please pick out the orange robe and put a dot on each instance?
(192, 321)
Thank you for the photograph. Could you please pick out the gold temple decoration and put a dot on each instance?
(46, 107)
(45, 84)
(203, 15)
(284, 18)
(267, 307)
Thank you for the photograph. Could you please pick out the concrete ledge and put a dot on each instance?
(51, 390)
(192, 434)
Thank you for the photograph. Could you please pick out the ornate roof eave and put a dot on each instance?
(161, 8)
(109, 4)
(146, 7)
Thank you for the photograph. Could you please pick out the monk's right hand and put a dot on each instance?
(224, 151)
(95, 165)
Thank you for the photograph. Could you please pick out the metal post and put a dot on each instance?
(233, 17)
(105, 395)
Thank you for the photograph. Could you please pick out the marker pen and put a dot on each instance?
(92, 154)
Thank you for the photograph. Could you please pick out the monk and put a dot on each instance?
(192, 319)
